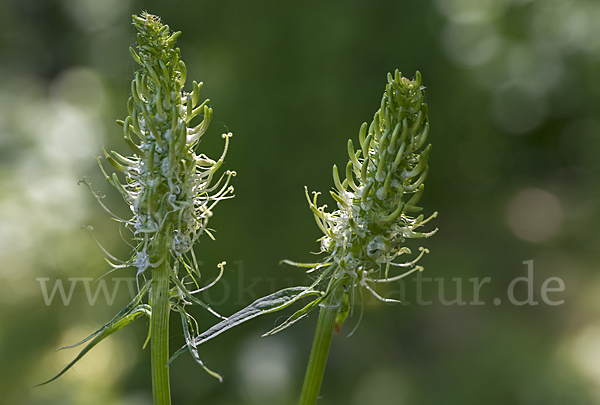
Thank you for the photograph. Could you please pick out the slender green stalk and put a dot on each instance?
(159, 336)
(320, 350)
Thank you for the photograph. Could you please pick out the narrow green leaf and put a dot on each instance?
(295, 318)
(109, 329)
(192, 346)
(135, 302)
(265, 305)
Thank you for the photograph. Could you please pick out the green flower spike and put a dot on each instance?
(384, 182)
(170, 189)
(364, 237)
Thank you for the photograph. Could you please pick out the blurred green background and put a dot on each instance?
(513, 88)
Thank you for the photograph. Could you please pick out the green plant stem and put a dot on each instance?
(159, 336)
(320, 350)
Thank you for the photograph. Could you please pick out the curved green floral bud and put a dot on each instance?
(350, 177)
(135, 56)
(352, 155)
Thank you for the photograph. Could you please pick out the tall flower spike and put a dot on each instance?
(166, 184)
(170, 189)
(371, 224)
(365, 236)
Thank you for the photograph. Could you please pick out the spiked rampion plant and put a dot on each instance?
(365, 236)
(171, 193)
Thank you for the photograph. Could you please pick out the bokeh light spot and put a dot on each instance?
(382, 387)
(518, 111)
(585, 352)
(82, 88)
(471, 44)
(93, 15)
(265, 370)
(535, 215)
(472, 10)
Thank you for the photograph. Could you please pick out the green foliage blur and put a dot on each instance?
(513, 88)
